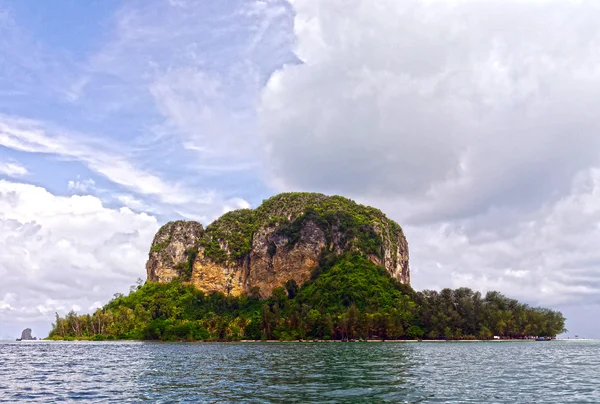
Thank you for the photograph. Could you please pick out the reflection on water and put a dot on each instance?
(504, 372)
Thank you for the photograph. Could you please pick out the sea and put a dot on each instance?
(422, 372)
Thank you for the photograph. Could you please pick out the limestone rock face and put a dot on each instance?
(212, 277)
(395, 254)
(253, 251)
(26, 335)
(170, 249)
(274, 262)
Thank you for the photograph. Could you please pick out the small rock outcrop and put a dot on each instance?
(26, 335)
(253, 251)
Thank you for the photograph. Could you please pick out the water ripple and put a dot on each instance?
(506, 372)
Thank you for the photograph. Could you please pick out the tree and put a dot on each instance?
(292, 288)
(280, 297)
(254, 293)
(267, 321)
(352, 320)
(485, 333)
(415, 331)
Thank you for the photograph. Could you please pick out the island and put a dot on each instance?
(301, 266)
(26, 335)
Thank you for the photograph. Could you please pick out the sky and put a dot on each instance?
(473, 124)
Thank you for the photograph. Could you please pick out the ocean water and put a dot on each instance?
(469, 372)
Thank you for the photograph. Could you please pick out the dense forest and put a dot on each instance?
(348, 297)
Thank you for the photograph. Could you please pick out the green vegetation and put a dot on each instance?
(348, 297)
(229, 238)
(160, 246)
(463, 313)
(185, 269)
(235, 230)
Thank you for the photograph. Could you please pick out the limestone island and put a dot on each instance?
(301, 266)
(26, 335)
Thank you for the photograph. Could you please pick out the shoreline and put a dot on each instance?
(397, 341)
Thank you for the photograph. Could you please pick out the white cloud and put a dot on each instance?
(12, 169)
(456, 106)
(58, 253)
(547, 257)
(32, 136)
(5, 303)
(234, 204)
(81, 186)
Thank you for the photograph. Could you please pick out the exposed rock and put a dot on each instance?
(283, 239)
(26, 335)
(212, 277)
(271, 268)
(170, 249)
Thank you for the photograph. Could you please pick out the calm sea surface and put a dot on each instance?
(481, 372)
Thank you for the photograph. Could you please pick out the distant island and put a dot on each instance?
(300, 266)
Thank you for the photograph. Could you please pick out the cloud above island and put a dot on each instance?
(432, 101)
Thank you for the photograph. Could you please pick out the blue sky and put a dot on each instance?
(473, 126)
(107, 77)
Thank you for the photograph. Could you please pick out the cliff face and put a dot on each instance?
(171, 248)
(26, 335)
(253, 251)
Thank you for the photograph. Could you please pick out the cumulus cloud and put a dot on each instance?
(550, 258)
(434, 101)
(60, 253)
(471, 123)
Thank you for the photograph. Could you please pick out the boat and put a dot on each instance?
(543, 339)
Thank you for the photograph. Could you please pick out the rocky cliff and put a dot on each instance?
(253, 251)
(26, 335)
